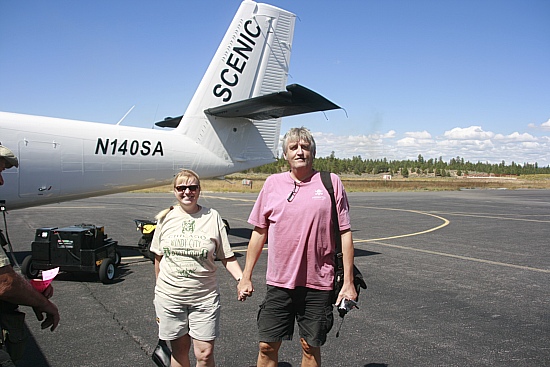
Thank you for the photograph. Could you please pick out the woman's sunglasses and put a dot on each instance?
(182, 188)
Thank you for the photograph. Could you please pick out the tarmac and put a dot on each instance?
(456, 278)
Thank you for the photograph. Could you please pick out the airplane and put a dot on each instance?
(231, 124)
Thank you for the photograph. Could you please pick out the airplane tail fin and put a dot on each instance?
(251, 61)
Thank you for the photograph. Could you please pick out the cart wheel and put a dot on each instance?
(107, 271)
(27, 269)
(151, 255)
(144, 246)
(118, 258)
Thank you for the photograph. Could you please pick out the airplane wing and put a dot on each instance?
(295, 101)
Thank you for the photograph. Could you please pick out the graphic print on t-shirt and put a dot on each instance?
(187, 250)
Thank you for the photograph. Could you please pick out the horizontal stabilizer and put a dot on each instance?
(169, 122)
(295, 101)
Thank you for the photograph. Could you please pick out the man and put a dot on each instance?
(14, 289)
(7, 160)
(293, 212)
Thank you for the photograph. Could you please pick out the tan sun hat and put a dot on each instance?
(11, 159)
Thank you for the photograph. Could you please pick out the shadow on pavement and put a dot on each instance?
(33, 354)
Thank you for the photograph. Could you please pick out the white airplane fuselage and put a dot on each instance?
(65, 159)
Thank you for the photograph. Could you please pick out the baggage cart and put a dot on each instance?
(78, 248)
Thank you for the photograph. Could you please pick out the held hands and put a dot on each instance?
(244, 289)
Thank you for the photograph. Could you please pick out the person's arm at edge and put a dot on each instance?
(233, 267)
(157, 265)
(348, 290)
(17, 290)
(255, 247)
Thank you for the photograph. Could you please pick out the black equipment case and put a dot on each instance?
(79, 248)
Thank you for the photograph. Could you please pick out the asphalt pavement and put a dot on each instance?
(456, 278)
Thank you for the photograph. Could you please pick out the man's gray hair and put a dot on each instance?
(297, 134)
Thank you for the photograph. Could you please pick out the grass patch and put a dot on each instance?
(233, 183)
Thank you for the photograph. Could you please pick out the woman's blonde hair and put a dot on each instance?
(185, 173)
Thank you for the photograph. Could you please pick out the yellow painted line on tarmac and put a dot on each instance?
(225, 198)
(498, 217)
(522, 267)
(50, 206)
(136, 257)
(245, 249)
(445, 221)
(444, 224)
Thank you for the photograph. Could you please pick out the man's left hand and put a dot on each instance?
(348, 292)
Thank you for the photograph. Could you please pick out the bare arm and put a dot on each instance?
(348, 290)
(233, 267)
(157, 265)
(17, 290)
(255, 247)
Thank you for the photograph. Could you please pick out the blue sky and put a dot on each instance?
(447, 78)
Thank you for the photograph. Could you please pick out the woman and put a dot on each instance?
(187, 239)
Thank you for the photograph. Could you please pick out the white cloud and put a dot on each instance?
(471, 143)
(407, 142)
(530, 145)
(419, 134)
(472, 132)
(545, 126)
(515, 136)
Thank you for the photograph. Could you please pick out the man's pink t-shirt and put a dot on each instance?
(300, 243)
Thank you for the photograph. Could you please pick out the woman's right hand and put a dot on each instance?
(244, 289)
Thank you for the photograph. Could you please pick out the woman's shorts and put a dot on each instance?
(200, 320)
(311, 308)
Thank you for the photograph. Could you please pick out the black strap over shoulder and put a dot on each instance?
(325, 177)
(358, 280)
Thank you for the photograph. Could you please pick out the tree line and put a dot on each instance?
(420, 166)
